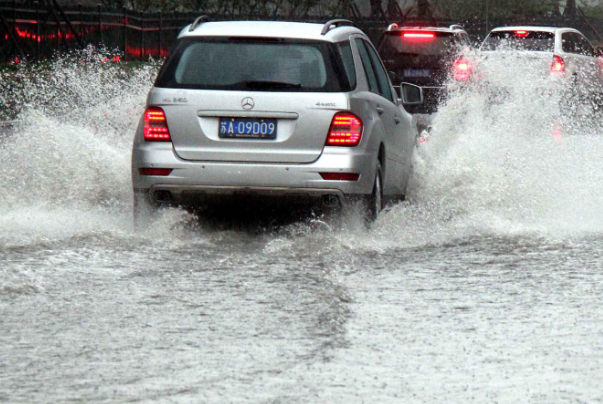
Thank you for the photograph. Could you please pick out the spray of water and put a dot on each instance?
(65, 162)
(503, 159)
(508, 155)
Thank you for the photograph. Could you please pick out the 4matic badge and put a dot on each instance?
(326, 104)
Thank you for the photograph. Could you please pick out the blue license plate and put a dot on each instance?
(244, 128)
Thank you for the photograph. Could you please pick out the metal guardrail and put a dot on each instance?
(38, 29)
(41, 28)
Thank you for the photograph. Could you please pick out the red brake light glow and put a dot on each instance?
(155, 126)
(521, 33)
(418, 36)
(558, 65)
(155, 171)
(463, 69)
(346, 130)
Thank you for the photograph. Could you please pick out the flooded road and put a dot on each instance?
(485, 286)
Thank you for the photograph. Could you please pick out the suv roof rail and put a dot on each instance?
(336, 24)
(198, 21)
(456, 26)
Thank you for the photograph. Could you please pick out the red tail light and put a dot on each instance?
(155, 171)
(521, 34)
(346, 130)
(418, 36)
(155, 126)
(463, 68)
(340, 176)
(558, 65)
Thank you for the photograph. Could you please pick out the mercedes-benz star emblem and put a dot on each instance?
(247, 103)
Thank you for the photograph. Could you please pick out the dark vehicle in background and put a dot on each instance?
(424, 56)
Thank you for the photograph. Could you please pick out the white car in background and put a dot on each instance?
(565, 52)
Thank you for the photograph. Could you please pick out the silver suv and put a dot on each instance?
(274, 109)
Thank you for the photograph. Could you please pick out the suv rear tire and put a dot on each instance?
(374, 203)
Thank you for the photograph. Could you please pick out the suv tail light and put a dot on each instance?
(346, 130)
(558, 65)
(463, 68)
(155, 126)
(340, 176)
(155, 171)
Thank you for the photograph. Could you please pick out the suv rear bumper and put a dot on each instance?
(198, 178)
(195, 195)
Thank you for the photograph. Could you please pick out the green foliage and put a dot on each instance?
(465, 9)
(288, 8)
(595, 11)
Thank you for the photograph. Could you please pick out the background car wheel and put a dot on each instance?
(374, 203)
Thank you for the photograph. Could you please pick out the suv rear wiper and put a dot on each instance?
(257, 85)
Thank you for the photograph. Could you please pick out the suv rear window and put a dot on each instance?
(256, 64)
(520, 40)
(395, 43)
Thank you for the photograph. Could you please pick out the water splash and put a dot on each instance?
(505, 157)
(65, 164)
(502, 159)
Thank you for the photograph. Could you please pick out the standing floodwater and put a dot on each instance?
(485, 286)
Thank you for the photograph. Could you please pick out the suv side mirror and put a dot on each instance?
(411, 94)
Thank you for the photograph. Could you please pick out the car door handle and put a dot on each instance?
(380, 110)
(397, 120)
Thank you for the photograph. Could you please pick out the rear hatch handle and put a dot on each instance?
(247, 114)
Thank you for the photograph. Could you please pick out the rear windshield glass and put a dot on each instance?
(418, 42)
(520, 40)
(254, 64)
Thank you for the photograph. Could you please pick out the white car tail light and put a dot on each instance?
(155, 126)
(558, 65)
(346, 130)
